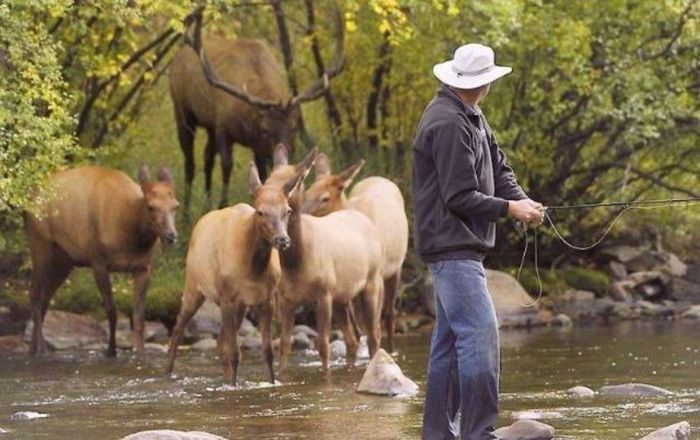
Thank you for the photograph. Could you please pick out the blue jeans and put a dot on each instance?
(463, 368)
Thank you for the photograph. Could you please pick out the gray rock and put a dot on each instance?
(647, 308)
(580, 391)
(683, 290)
(384, 377)
(525, 430)
(622, 291)
(4, 431)
(679, 431)
(64, 330)
(338, 348)
(603, 306)
(617, 270)
(624, 253)
(252, 342)
(578, 296)
(206, 344)
(693, 312)
(509, 297)
(167, 434)
(336, 335)
(28, 415)
(624, 310)
(311, 333)
(693, 273)
(562, 320)
(363, 348)
(206, 320)
(673, 266)
(634, 390)
(154, 348)
(301, 341)
(247, 328)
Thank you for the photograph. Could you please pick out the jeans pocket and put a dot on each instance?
(436, 267)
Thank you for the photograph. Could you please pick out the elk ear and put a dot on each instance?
(164, 175)
(144, 175)
(295, 182)
(308, 161)
(346, 177)
(280, 157)
(254, 183)
(323, 166)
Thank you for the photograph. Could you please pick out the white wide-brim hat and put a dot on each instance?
(472, 66)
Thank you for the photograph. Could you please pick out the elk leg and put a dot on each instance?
(391, 289)
(105, 287)
(323, 324)
(287, 318)
(209, 158)
(185, 133)
(371, 307)
(229, 353)
(140, 283)
(192, 300)
(60, 267)
(266, 329)
(342, 316)
(225, 148)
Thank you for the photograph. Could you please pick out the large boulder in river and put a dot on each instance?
(679, 431)
(167, 434)
(680, 289)
(525, 430)
(633, 390)
(383, 376)
(64, 330)
(206, 320)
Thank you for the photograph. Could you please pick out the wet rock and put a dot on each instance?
(679, 431)
(28, 415)
(206, 344)
(336, 335)
(308, 331)
(338, 348)
(693, 312)
(384, 377)
(12, 345)
(562, 320)
(603, 306)
(167, 434)
(4, 431)
(634, 390)
(624, 253)
(247, 328)
(301, 341)
(578, 296)
(624, 310)
(649, 284)
(647, 308)
(544, 317)
(206, 320)
(622, 291)
(154, 348)
(64, 330)
(525, 430)
(693, 273)
(508, 297)
(617, 270)
(580, 391)
(252, 342)
(537, 415)
(683, 290)
(363, 348)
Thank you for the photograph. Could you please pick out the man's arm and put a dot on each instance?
(507, 186)
(454, 160)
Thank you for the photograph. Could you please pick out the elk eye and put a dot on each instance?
(260, 213)
(325, 199)
(151, 208)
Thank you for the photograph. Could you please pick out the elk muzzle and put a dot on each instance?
(281, 242)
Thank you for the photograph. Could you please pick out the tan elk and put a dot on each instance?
(99, 218)
(331, 260)
(381, 201)
(237, 91)
(232, 261)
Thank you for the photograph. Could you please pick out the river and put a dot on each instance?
(89, 397)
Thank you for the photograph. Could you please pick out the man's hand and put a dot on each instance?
(527, 211)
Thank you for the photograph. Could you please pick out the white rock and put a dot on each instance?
(252, 342)
(167, 434)
(383, 376)
(338, 348)
(634, 389)
(580, 391)
(247, 328)
(311, 333)
(301, 341)
(4, 431)
(693, 312)
(562, 320)
(525, 430)
(206, 344)
(154, 348)
(679, 431)
(537, 415)
(27, 415)
(363, 348)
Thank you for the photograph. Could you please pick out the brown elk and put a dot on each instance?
(237, 91)
(99, 218)
(381, 201)
(230, 260)
(331, 260)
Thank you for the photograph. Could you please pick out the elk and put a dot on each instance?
(237, 91)
(231, 261)
(99, 218)
(381, 201)
(331, 260)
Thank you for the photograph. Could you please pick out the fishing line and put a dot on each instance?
(626, 206)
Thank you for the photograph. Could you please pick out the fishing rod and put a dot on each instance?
(650, 202)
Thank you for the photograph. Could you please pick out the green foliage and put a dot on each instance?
(586, 279)
(552, 282)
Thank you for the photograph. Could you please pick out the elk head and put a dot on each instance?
(160, 203)
(272, 209)
(327, 194)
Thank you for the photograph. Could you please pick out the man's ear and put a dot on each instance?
(347, 176)
(323, 166)
(280, 157)
(254, 183)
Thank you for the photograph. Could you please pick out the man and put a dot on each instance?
(461, 186)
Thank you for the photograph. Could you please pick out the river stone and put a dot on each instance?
(64, 330)
(338, 348)
(167, 434)
(28, 415)
(622, 291)
(537, 415)
(525, 430)
(580, 391)
(12, 345)
(562, 320)
(693, 312)
(252, 342)
(651, 309)
(578, 296)
(155, 348)
(617, 270)
(206, 344)
(4, 431)
(624, 253)
(634, 389)
(206, 320)
(363, 348)
(679, 431)
(247, 328)
(308, 331)
(301, 341)
(509, 297)
(683, 290)
(383, 376)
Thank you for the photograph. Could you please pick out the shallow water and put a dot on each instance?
(88, 397)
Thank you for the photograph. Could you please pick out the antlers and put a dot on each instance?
(315, 91)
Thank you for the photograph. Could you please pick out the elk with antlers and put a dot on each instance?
(237, 91)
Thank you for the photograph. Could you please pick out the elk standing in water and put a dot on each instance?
(99, 218)
(237, 91)
(381, 201)
(231, 261)
(331, 261)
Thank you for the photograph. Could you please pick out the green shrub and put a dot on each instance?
(552, 283)
(79, 294)
(586, 279)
